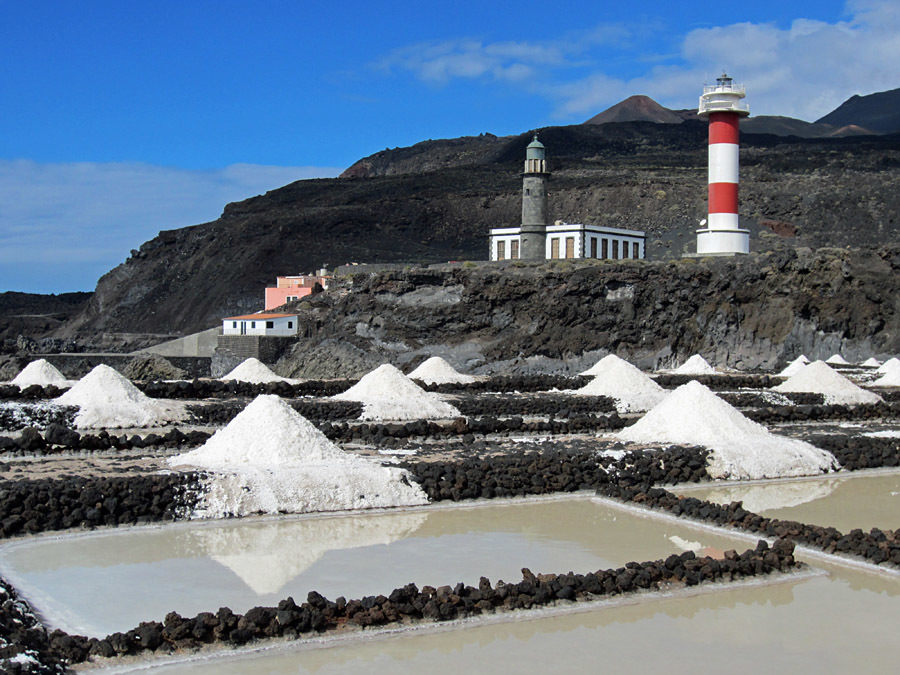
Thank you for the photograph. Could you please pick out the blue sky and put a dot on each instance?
(123, 118)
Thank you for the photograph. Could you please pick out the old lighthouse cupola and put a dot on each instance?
(534, 202)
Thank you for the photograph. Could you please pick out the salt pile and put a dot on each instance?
(819, 378)
(871, 362)
(891, 377)
(42, 373)
(270, 459)
(696, 365)
(254, 371)
(618, 379)
(795, 366)
(741, 448)
(892, 362)
(837, 360)
(107, 399)
(437, 371)
(387, 394)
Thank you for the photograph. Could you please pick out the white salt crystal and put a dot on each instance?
(254, 371)
(614, 377)
(437, 371)
(696, 365)
(837, 360)
(819, 378)
(795, 366)
(270, 459)
(887, 365)
(741, 448)
(40, 372)
(107, 399)
(891, 376)
(871, 362)
(387, 394)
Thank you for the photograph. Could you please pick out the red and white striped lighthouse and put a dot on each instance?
(722, 104)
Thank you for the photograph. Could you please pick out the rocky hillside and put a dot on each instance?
(879, 112)
(36, 316)
(749, 312)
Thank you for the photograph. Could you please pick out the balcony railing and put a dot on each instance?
(724, 88)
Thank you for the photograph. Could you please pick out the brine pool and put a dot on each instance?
(835, 618)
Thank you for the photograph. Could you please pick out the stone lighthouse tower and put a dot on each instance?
(534, 202)
(721, 103)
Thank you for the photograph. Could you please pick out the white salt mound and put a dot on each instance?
(892, 362)
(819, 378)
(437, 371)
(871, 362)
(891, 377)
(40, 372)
(741, 448)
(254, 371)
(795, 366)
(270, 459)
(837, 360)
(388, 394)
(696, 365)
(105, 398)
(633, 390)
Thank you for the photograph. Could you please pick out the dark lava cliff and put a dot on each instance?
(435, 202)
(748, 312)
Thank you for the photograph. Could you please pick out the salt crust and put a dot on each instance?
(254, 371)
(892, 362)
(270, 459)
(837, 360)
(107, 399)
(388, 394)
(741, 448)
(633, 390)
(795, 366)
(437, 371)
(819, 378)
(891, 377)
(40, 372)
(871, 362)
(696, 365)
(266, 556)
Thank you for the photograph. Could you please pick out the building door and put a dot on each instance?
(570, 247)
(624, 249)
(514, 249)
(615, 255)
(243, 327)
(635, 250)
(605, 249)
(593, 247)
(501, 250)
(554, 248)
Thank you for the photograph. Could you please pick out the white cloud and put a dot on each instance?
(62, 225)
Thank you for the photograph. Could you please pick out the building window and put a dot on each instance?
(290, 298)
(624, 249)
(252, 324)
(527, 191)
(234, 324)
(290, 324)
(615, 255)
(593, 247)
(570, 247)
(501, 250)
(635, 250)
(605, 249)
(514, 249)
(554, 248)
(270, 324)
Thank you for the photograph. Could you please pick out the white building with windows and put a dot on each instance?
(573, 240)
(273, 325)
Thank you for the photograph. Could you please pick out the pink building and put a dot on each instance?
(288, 289)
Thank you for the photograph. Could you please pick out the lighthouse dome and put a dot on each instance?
(535, 149)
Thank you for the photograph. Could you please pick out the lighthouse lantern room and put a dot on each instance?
(722, 105)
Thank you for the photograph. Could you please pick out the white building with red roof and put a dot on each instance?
(263, 323)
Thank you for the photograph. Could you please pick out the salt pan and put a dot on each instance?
(107, 399)
(270, 459)
(387, 394)
(819, 378)
(888, 365)
(696, 365)
(40, 372)
(254, 371)
(795, 366)
(633, 390)
(837, 360)
(437, 371)
(741, 448)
